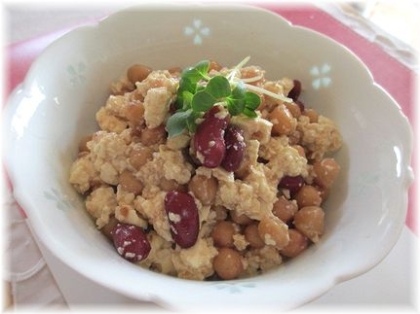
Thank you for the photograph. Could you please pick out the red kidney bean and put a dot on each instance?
(296, 90)
(235, 148)
(293, 184)
(131, 242)
(183, 218)
(208, 139)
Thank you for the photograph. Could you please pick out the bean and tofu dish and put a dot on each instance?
(208, 172)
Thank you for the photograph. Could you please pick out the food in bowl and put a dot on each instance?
(210, 173)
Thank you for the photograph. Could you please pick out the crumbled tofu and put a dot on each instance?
(174, 165)
(108, 155)
(253, 197)
(156, 106)
(101, 203)
(321, 137)
(275, 87)
(83, 174)
(195, 262)
(116, 105)
(153, 210)
(262, 260)
(124, 197)
(282, 158)
(109, 122)
(240, 242)
(127, 214)
(160, 256)
(178, 142)
(158, 79)
(254, 129)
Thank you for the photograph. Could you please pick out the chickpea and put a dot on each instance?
(310, 221)
(152, 136)
(283, 121)
(228, 264)
(326, 172)
(139, 156)
(83, 144)
(175, 71)
(284, 209)
(221, 212)
(134, 113)
(214, 66)
(308, 195)
(170, 185)
(253, 237)
(311, 114)
(130, 183)
(297, 244)
(107, 229)
(137, 73)
(204, 188)
(273, 231)
(222, 234)
(240, 219)
(252, 72)
(294, 109)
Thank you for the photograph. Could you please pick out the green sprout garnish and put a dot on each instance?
(198, 92)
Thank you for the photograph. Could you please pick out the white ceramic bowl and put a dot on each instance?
(55, 107)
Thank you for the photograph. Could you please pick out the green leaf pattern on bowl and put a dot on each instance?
(61, 202)
(235, 287)
(197, 30)
(76, 73)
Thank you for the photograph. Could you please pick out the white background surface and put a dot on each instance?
(390, 286)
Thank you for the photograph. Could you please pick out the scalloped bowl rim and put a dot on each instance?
(156, 280)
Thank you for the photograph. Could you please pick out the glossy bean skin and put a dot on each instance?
(283, 121)
(130, 183)
(309, 221)
(235, 148)
(253, 237)
(326, 171)
(228, 263)
(131, 242)
(297, 244)
(241, 219)
(284, 209)
(308, 195)
(209, 138)
(203, 188)
(138, 72)
(135, 113)
(273, 231)
(183, 218)
(222, 234)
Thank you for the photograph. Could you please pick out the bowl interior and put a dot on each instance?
(65, 87)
